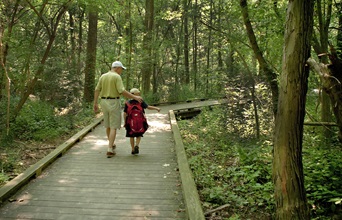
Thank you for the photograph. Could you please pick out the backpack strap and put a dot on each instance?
(130, 106)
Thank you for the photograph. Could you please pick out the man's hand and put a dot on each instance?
(96, 108)
(138, 98)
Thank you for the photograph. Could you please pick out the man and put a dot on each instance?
(110, 88)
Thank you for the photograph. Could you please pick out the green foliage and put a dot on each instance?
(3, 177)
(236, 170)
(182, 93)
(37, 121)
(323, 176)
(227, 169)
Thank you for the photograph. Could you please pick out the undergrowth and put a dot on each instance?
(38, 129)
(235, 170)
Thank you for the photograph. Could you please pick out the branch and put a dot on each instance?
(217, 209)
(39, 14)
(321, 69)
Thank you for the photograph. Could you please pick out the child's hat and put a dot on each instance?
(134, 91)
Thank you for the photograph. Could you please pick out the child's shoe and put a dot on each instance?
(136, 150)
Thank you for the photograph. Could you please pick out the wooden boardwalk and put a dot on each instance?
(84, 184)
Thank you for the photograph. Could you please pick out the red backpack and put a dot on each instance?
(136, 119)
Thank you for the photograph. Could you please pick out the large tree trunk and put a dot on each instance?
(89, 80)
(271, 76)
(288, 177)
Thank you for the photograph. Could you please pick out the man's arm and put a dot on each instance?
(96, 99)
(131, 96)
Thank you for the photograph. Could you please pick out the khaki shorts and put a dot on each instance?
(111, 109)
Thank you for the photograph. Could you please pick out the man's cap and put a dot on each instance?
(134, 91)
(118, 64)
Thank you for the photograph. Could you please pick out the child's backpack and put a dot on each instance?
(136, 119)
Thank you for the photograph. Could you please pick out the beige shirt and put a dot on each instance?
(110, 85)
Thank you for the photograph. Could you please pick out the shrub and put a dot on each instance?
(36, 121)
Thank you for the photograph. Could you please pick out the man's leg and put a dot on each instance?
(111, 139)
(108, 133)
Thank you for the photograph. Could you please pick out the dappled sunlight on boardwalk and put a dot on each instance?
(85, 184)
(157, 123)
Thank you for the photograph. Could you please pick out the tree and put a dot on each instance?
(51, 27)
(89, 80)
(186, 78)
(320, 45)
(147, 45)
(7, 21)
(288, 177)
(271, 76)
(339, 31)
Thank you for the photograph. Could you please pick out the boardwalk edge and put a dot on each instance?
(35, 170)
(193, 205)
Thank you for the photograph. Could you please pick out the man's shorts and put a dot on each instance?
(111, 109)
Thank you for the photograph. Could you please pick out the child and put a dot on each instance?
(135, 137)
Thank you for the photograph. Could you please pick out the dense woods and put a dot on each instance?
(257, 54)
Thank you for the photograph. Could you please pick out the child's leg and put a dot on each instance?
(131, 139)
(136, 148)
(138, 141)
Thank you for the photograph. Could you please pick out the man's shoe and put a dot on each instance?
(110, 154)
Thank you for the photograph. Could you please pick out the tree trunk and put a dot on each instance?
(208, 49)
(186, 77)
(11, 9)
(129, 44)
(80, 43)
(5, 81)
(194, 42)
(339, 31)
(147, 44)
(89, 80)
(288, 177)
(320, 46)
(271, 76)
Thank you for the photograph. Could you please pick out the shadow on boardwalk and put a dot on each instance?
(84, 184)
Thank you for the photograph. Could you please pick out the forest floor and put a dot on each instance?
(15, 160)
